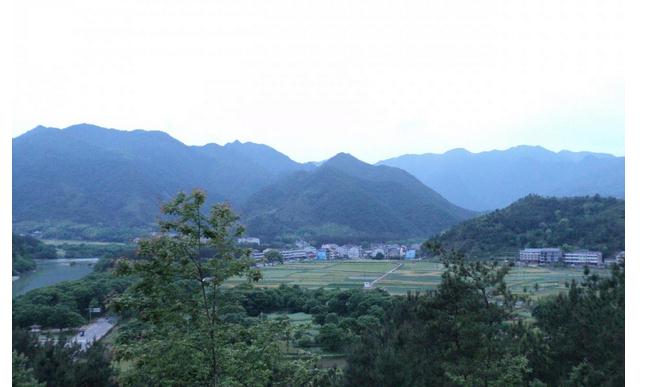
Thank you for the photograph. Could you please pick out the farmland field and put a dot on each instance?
(411, 276)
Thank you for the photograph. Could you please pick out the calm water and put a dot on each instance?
(50, 271)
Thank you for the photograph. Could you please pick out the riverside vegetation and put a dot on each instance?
(180, 324)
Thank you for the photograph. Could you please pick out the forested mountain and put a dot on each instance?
(347, 199)
(103, 183)
(494, 179)
(592, 222)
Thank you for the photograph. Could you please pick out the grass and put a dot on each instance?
(411, 276)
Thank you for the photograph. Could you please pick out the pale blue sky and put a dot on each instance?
(376, 79)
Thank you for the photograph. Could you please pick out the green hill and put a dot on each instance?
(346, 199)
(589, 222)
(25, 249)
(88, 182)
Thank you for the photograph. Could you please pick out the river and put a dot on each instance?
(51, 271)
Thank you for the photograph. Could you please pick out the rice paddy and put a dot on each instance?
(411, 276)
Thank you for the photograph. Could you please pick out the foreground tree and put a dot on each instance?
(462, 334)
(178, 335)
(584, 332)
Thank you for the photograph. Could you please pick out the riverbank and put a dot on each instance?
(51, 271)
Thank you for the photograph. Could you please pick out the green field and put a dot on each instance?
(411, 276)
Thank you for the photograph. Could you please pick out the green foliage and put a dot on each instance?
(461, 334)
(593, 223)
(348, 200)
(65, 304)
(55, 363)
(91, 250)
(92, 183)
(183, 333)
(584, 331)
(21, 374)
(24, 249)
(273, 256)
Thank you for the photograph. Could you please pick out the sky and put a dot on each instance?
(373, 78)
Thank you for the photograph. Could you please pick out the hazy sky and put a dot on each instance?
(373, 78)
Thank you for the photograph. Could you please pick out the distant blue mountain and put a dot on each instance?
(67, 179)
(490, 180)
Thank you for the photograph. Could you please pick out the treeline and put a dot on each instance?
(93, 250)
(24, 249)
(590, 222)
(66, 304)
(467, 333)
(56, 363)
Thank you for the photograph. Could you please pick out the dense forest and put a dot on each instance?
(24, 249)
(180, 324)
(346, 200)
(589, 222)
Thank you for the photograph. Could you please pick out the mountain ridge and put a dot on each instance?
(494, 179)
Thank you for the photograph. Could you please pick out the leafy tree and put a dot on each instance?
(461, 334)
(21, 374)
(273, 256)
(183, 337)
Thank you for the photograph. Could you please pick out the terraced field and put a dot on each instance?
(411, 276)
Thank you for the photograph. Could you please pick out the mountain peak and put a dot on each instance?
(343, 158)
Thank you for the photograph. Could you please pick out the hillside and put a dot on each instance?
(593, 223)
(346, 199)
(490, 180)
(85, 181)
(25, 249)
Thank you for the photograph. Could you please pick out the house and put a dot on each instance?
(354, 252)
(410, 254)
(620, 258)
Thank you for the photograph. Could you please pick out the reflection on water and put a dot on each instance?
(50, 271)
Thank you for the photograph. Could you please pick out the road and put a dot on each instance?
(384, 275)
(93, 332)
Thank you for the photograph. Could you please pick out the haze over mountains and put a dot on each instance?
(490, 180)
(85, 181)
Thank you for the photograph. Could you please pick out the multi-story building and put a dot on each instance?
(393, 251)
(583, 257)
(540, 256)
(354, 252)
(249, 241)
(294, 254)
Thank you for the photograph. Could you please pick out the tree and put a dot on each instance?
(182, 337)
(21, 374)
(273, 256)
(461, 334)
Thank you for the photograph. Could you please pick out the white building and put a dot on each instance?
(249, 241)
(294, 254)
(542, 255)
(355, 252)
(583, 257)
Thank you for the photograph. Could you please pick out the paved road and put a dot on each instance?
(93, 332)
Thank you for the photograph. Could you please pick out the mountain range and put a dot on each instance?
(85, 181)
(494, 179)
(90, 182)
